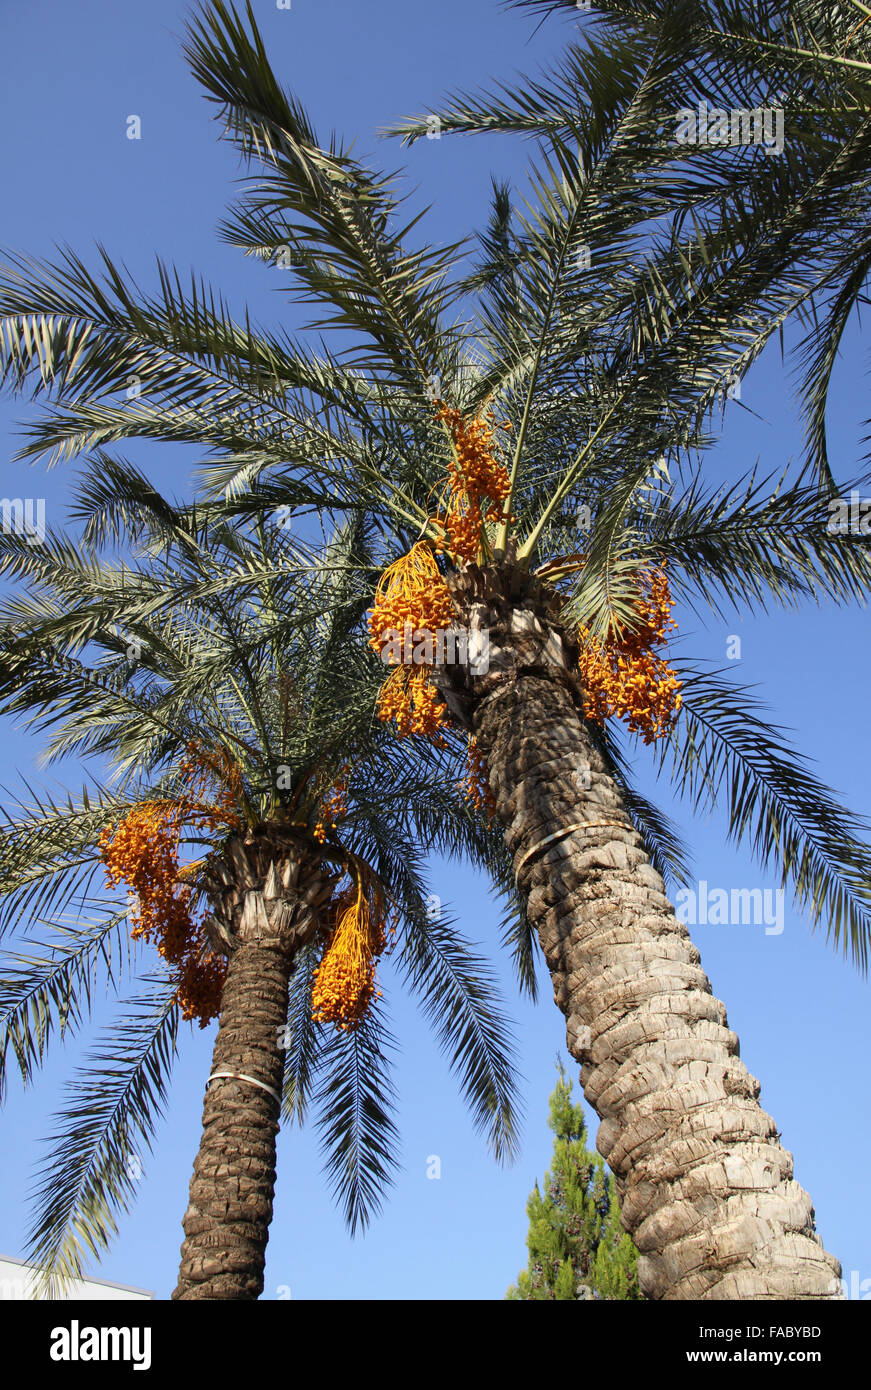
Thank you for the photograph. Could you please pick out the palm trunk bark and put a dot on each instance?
(266, 899)
(227, 1221)
(706, 1190)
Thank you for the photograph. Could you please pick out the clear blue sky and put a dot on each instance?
(69, 78)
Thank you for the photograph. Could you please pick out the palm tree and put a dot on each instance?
(213, 675)
(602, 353)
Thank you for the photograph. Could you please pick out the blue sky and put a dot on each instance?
(70, 76)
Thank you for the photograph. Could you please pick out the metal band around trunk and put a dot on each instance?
(569, 830)
(240, 1076)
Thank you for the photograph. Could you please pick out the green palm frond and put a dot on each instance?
(811, 60)
(95, 1162)
(516, 933)
(49, 994)
(758, 542)
(48, 852)
(354, 1101)
(301, 1055)
(458, 996)
(332, 215)
(723, 752)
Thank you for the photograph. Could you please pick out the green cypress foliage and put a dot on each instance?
(577, 1247)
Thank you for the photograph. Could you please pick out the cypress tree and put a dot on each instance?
(577, 1246)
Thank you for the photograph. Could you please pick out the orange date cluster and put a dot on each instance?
(625, 677)
(413, 593)
(143, 852)
(477, 483)
(334, 805)
(344, 985)
(477, 786)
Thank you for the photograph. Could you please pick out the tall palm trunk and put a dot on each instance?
(706, 1190)
(267, 896)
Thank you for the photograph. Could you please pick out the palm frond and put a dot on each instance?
(95, 1162)
(354, 1101)
(723, 752)
(459, 999)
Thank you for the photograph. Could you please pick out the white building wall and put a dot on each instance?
(17, 1282)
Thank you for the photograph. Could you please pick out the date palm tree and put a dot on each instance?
(211, 676)
(603, 348)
